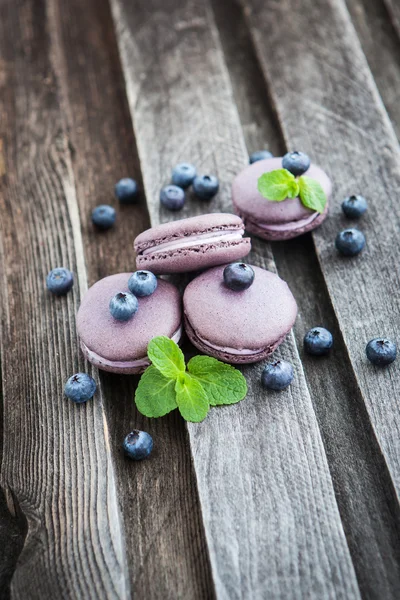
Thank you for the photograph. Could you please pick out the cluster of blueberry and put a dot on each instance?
(124, 304)
(351, 241)
(184, 175)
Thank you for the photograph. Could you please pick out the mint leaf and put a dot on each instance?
(155, 395)
(222, 383)
(191, 398)
(278, 185)
(166, 356)
(312, 194)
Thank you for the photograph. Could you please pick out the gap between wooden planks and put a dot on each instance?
(268, 505)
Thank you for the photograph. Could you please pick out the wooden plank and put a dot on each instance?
(56, 470)
(328, 104)
(262, 475)
(363, 487)
(158, 498)
(394, 11)
(381, 46)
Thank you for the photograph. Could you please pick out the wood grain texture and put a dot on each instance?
(394, 11)
(270, 515)
(165, 541)
(56, 469)
(363, 487)
(381, 45)
(328, 104)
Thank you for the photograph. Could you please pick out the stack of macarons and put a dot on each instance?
(224, 314)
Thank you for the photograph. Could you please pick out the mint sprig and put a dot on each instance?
(166, 385)
(281, 184)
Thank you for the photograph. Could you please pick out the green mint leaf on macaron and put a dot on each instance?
(155, 395)
(222, 383)
(191, 398)
(166, 385)
(312, 194)
(166, 356)
(278, 185)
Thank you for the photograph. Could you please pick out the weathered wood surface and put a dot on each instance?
(265, 455)
(394, 12)
(364, 491)
(158, 498)
(56, 467)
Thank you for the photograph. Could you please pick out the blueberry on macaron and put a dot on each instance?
(354, 206)
(277, 375)
(103, 216)
(318, 341)
(59, 281)
(172, 197)
(350, 242)
(123, 306)
(183, 175)
(142, 283)
(296, 162)
(80, 388)
(138, 444)
(381, 351)
(259, 155)
(205, 186)
(238, 276)
(126, 190)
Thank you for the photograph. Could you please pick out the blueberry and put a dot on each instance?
(142, 283)
(277, 375)
(183, 175)
(381, 351)
(238, 276)
(350, 242)
(296, 162)
(103, 216)
(318, 341)
(205, 186)
(126, 190)
(172, 197)
(59, 281)
(80, 387)
(354, 206)
(138, 444)
(123, 306)
(259, 155)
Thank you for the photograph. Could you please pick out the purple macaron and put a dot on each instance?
(192, 244)
(121, 347)
(275, 220)
(238, 327)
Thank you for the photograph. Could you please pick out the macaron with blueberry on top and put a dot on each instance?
(192, 244)
(281, 198)
(238, 313)
(115, 325)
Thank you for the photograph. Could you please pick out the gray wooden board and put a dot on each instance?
(381, 45)
(56, 471)
(328, 104)
(157, 497)
(363, 487)
(394, 11)
(269, 510)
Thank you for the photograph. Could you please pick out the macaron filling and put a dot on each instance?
(224, 236)
(291, 226)
(139, 363)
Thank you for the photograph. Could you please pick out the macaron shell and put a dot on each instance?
(194, 258)
(100, 364)
(256, 319)
(158, 314)
(248, 202)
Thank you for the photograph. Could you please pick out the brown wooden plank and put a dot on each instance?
(56, 469)
(381, 45)
(262, 475)
(363, 487)
(328, 104)
(158, 498)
